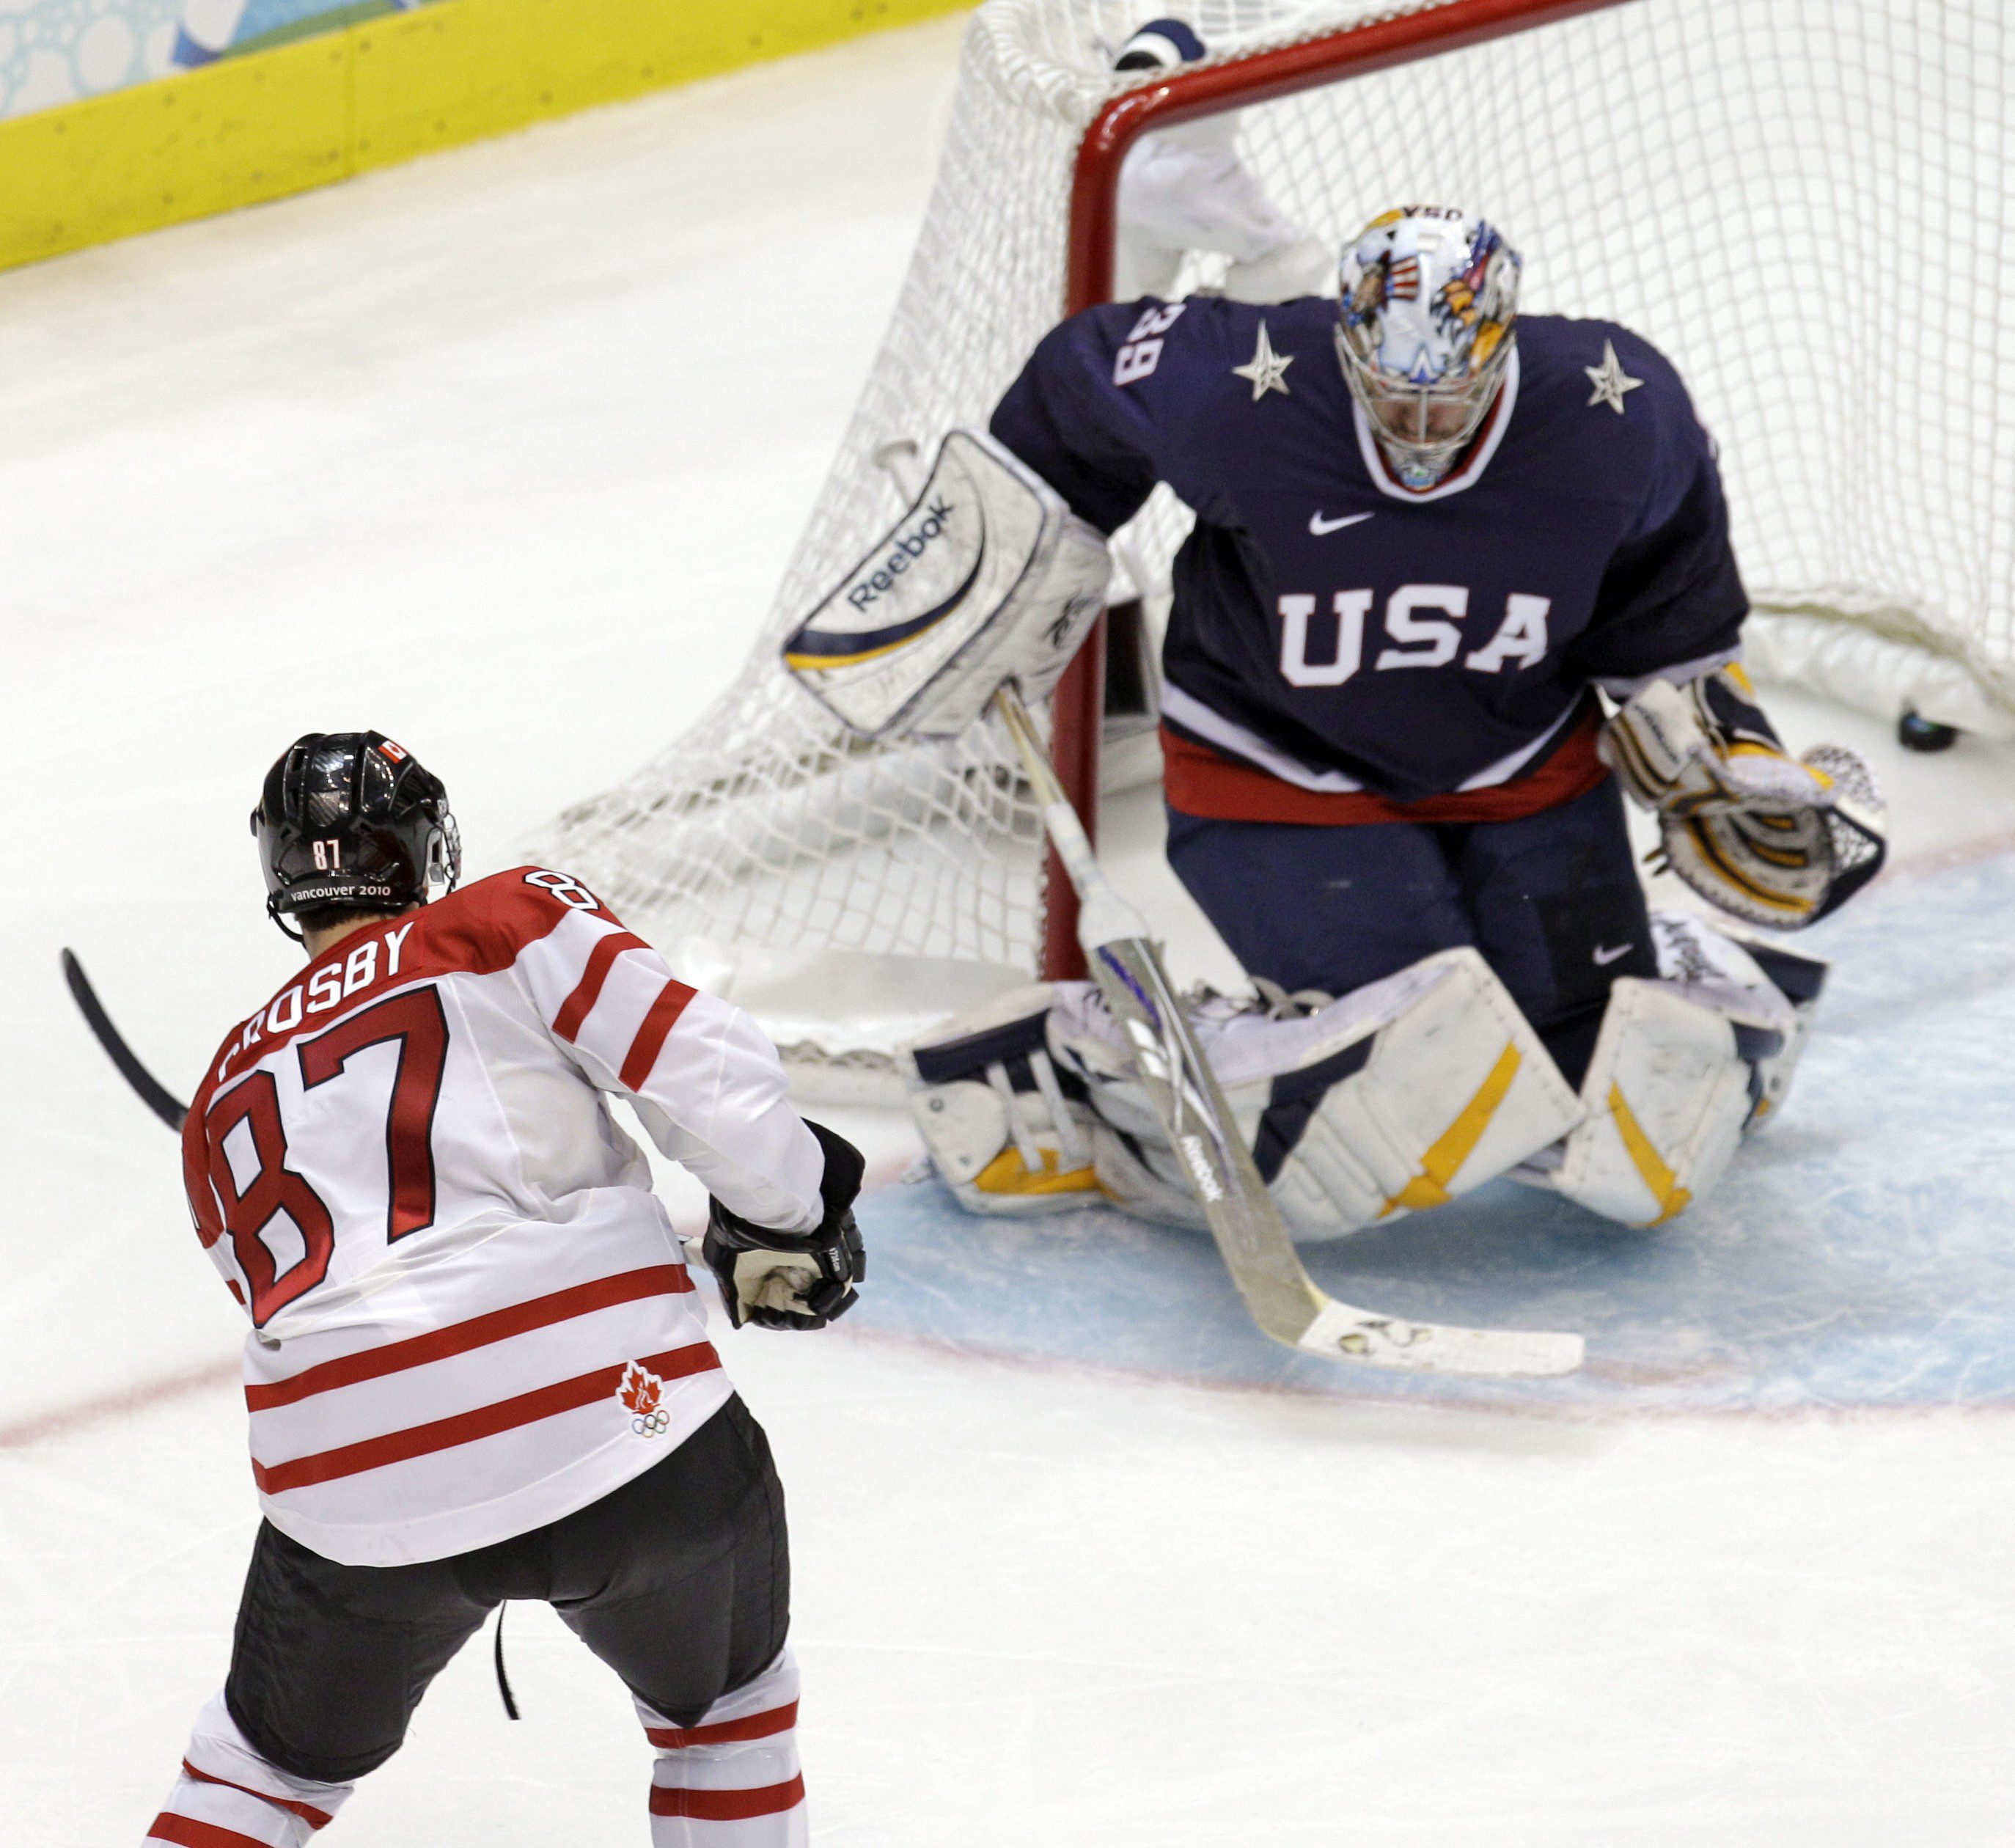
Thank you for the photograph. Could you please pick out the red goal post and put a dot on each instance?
(1356, 50)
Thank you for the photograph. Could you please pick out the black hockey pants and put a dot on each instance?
(679, 1581)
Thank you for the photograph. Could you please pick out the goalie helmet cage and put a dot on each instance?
(1804, 202)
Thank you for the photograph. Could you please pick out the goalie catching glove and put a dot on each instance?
(793, 1280)
(1772, 838)
(988, 577)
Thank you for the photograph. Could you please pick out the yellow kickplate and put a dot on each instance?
(1008, 1174)
(1443, 1161)
(1672, 1199)
(268, 123)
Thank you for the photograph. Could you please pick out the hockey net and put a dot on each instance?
(1805, 204)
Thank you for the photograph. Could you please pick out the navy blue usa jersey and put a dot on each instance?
(1342, 632)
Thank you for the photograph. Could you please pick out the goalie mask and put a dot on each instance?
(1425, 331)
(348, 821)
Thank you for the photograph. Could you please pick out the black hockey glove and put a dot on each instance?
(792, 1280)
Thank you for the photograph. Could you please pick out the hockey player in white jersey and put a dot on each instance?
(475, 1371)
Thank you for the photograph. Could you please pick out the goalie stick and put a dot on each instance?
(1252, 1236)
(151, 1092)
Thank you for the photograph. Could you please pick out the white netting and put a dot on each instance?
(1805, 202)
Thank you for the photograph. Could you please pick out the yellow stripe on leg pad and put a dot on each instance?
(1008, 1174)
(1456, 1143)
(1672, 1199)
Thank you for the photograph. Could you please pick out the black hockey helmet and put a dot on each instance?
(348, 821)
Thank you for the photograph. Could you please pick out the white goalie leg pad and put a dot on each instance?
(1455, 1090)
(1666, 1094)
(1764, 989)
(1405, 1094)
(1683, 1066)
(1008, 1132)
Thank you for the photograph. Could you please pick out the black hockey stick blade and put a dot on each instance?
(151, 1092)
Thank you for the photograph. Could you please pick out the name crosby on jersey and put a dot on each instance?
(1338, 631)
(362, 969)
(328, 988)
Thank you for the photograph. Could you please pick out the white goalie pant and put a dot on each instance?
(1682, 1066)
(1406, 1094)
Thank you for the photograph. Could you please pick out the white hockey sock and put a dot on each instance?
(228, 1796)
(732, 1780)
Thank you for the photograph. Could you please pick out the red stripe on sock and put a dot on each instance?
(650, 1039)
(188, 1833)
(727, 1806)
(726, 1732)
(313, 1818)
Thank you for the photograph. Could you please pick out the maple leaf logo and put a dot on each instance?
(640, 1390)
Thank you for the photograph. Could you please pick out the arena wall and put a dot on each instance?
(310, 113)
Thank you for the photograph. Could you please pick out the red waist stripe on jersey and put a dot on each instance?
(1206, 783)
(479, 1331)
(467, 1427)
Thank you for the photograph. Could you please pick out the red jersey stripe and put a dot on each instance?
(727, 1806)
(467, 1427)
(187, 1832)
(1199, 781)
(587, 991)
(725, 1732)
(479, 1331)
(315, 1818)
(650, 1039)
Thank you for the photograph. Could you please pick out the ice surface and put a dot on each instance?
(502, 452)
(1858, 1254)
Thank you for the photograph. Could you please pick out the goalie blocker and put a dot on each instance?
(1405, 1095)
(988, 577)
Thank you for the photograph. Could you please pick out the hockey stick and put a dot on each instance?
(153, 1093)
(1251, 1236)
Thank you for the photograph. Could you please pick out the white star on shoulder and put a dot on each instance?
(1610, 379)
(1268, 370)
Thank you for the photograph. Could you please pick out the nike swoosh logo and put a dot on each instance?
(1318, 526)
(1604, 958)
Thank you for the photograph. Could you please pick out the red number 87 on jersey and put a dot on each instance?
(245, 1137)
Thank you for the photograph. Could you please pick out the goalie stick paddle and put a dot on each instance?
(1251, 1235)
(151, 1092)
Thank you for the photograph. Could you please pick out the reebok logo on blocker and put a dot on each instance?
(908, 548)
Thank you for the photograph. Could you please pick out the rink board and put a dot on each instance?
(266, 124)
(1858, 1254)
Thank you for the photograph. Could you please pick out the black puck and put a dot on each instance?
(1915, 734)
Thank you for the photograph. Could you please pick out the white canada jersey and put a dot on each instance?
(470, 1314)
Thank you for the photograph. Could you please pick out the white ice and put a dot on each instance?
(502, 452)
